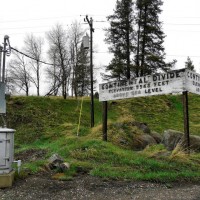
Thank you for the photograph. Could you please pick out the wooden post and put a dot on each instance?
(186, 121)
(105, 117)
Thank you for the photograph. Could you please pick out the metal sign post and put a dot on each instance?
(105, 119)
(186, 121)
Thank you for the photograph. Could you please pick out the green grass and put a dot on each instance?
(51, 124)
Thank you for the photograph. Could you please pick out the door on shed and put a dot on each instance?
(2, 149)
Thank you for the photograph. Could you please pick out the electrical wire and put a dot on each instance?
(172, 24)
(39, 19)
(183, 56)
(47, 18)
(93, 52)
(31, 57)
(40, 61)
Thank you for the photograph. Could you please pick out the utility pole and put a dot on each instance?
(1, 50)
(6, 51)
(90, 22)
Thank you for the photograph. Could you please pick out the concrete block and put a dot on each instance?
(6, 180)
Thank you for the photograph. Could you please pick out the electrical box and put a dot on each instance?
(86, 42)
(6, 150)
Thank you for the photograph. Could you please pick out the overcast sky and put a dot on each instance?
(181, 24)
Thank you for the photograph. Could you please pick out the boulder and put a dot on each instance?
(142, 126)
(195, 143)
(157, 137)
(64, 166)
(171, 138)
(141, 141)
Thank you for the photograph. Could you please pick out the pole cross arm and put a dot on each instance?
(90, 22)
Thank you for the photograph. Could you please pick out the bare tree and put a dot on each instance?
(53, 74)
(58, 51)
(19, 76)
(33, 47)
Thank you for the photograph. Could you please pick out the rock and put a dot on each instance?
(55, 158)
(195, 143)
(141, 141)
(171, 138)
(54, 161)
(157, 137)
(142, 126)
(64, 166)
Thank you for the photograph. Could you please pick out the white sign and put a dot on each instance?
(172, 82)
(192, 82)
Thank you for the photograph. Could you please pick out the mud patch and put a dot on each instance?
(31, 155)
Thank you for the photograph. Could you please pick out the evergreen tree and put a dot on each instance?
(150, 55)
(189, 64)
(120, 36)
(140, 52)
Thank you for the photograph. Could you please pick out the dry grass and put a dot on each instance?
(180, 154)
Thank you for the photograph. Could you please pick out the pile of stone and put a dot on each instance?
(146, 137)
(170, 139)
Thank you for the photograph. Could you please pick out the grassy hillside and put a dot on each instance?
(49, 125)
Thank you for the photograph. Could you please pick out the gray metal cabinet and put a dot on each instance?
(6, 149)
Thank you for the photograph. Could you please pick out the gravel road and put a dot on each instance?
(86, 187)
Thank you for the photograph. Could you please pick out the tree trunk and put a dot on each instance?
(144, 43)
(138, 47)
(38, 78)
(128, 49)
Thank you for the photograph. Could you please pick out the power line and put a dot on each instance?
(47, 18)
(43, 62)
(36, 19)
(33, 27)
(24, 33)
(183, 17)
(184, 56)
(27, 27)
(107, 52)
(181, 24)
(184, 31)
(32, 57)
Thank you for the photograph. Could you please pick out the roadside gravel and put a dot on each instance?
(86, 187)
